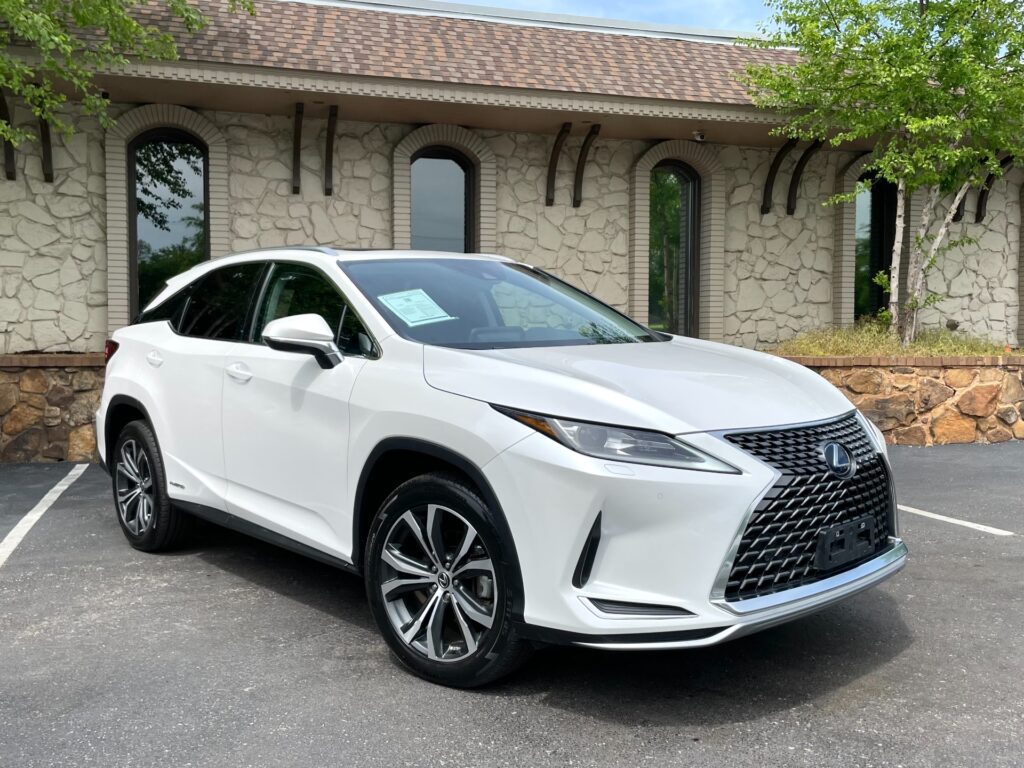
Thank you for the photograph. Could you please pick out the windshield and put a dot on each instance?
(483, 304)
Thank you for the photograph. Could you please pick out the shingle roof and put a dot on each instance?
(436, 48)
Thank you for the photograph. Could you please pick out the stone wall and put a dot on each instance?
(978, 280)
(53, 278)
(47, 410)
(778, 268)
(922, 401)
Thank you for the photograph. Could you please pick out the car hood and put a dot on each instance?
(677, 386)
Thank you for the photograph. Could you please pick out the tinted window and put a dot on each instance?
(483, 304)
(295, 289)
(673, 266)
(169, 310)
(441, 193)
(168, 197)
(220, 301)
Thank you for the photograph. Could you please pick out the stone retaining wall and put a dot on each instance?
(47, 407)
(933, 401)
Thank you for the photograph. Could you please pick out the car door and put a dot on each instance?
(184, 360)
(286, 419)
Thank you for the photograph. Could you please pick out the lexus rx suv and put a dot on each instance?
(505, 460)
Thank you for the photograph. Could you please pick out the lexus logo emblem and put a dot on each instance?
(839, 461)
(443, 580)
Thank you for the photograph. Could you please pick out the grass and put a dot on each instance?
(872, 339)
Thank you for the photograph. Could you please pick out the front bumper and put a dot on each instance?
(666, 535)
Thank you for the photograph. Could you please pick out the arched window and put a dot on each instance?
(674, 248)
(443, 194)
(167, 214)
(875, 233)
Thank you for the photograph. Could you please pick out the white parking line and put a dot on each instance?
(954, 521)
(17, 533)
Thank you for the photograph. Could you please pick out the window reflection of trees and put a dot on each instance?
(169, 196)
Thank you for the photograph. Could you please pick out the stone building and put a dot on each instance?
(626, 159)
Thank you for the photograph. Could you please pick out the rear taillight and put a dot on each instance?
(109, 349)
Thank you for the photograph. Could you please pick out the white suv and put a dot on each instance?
(506, 460)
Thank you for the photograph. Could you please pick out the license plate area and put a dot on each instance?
(845, 543)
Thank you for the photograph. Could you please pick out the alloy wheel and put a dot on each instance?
(438, 584)
(134, 487)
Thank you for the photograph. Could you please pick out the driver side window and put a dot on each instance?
(295, 289)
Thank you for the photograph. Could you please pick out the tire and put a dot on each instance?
(457, 619)
(139, 483)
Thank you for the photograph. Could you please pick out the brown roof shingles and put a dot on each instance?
(358, 42)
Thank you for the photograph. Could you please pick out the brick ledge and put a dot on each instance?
(53, 360)
(853, 361)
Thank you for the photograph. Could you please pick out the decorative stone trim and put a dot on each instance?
(705, 162)
(934, 401)
(83, 360)
(1020, 274)
(128, 126)
(469, 144)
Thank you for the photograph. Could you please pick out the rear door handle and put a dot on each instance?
(154, 359)
(239, 372)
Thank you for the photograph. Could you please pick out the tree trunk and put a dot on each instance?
(919, 265)
(897, 252)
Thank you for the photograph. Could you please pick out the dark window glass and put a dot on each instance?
(168, 217)
(483, 304)
(169, 310)
(875, 226)
(220, 301)
(673, 256)
(295, 289)
(442, 193)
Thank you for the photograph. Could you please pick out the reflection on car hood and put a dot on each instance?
(683, 385)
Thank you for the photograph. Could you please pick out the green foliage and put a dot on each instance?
(161, 182)
(938, 83)
(937, 86)
(50, 48)
(873, 338)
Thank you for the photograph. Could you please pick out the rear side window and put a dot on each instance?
(219, 303)
(169, 310)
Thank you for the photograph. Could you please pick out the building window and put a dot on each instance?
(674, 247)
(167, 216)
(875, 226)
(443, 192)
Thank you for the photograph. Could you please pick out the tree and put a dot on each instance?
(50, 47)
(936, 85)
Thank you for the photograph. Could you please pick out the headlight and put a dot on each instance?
(636, 446)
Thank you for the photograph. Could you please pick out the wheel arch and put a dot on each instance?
(376, 483)
(121, 410)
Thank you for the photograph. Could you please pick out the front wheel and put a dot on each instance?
(439, 586)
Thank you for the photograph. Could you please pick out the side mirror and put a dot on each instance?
(309, 334)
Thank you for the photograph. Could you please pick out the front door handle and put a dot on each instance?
(239, 372)
(154, 359)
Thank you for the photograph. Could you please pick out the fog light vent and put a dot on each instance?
(586, 562)
(621, 608)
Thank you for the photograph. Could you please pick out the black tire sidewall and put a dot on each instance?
(494, 656)
(156, 535)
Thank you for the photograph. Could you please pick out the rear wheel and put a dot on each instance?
(439, 586)
(144, 510)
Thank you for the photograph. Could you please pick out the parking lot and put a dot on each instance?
(231, 652)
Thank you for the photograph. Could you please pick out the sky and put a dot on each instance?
(729, 15)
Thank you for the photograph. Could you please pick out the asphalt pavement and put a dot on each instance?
(231, 652)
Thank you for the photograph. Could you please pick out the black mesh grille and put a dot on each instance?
(778, 547)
